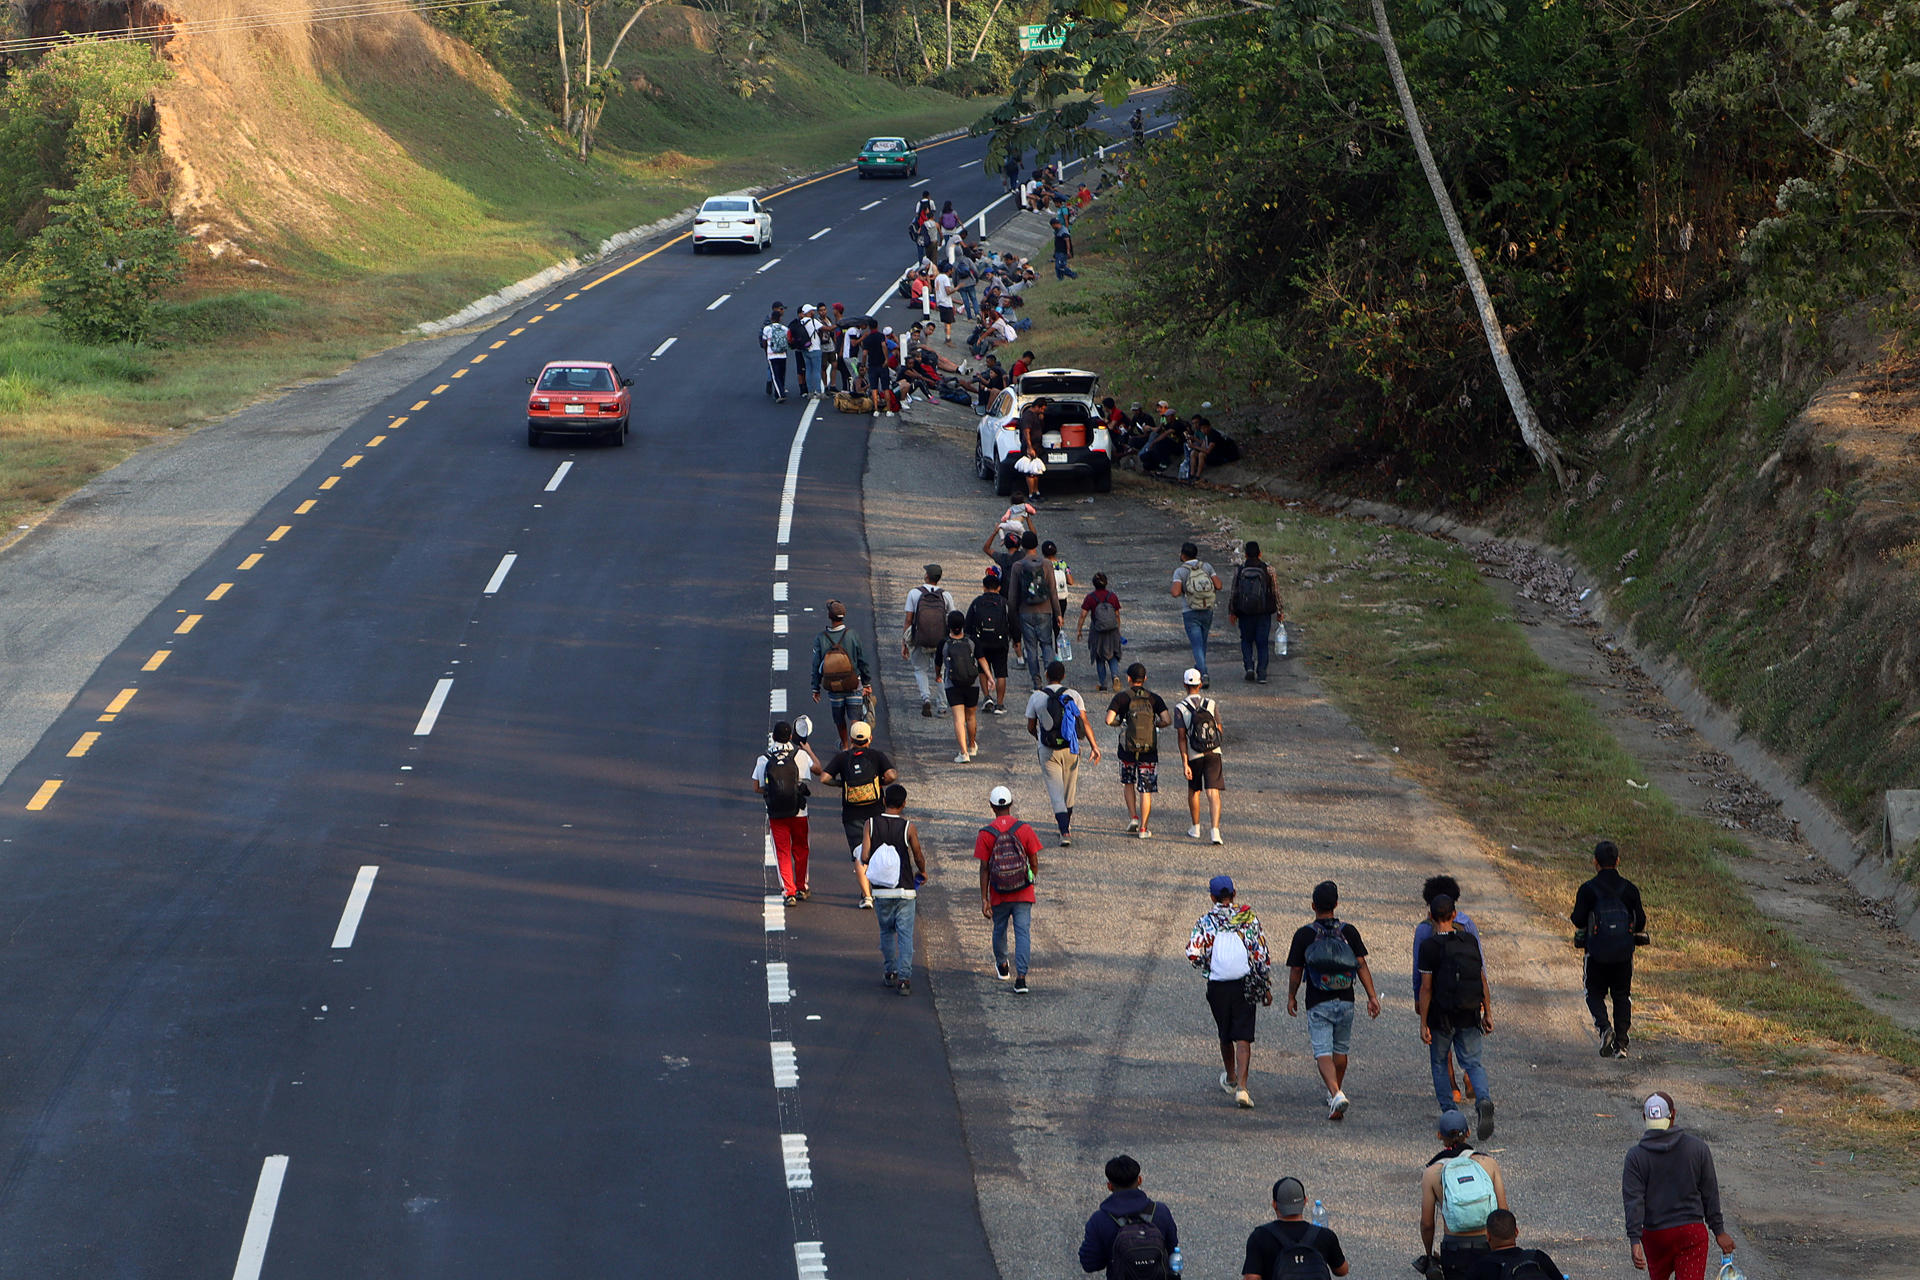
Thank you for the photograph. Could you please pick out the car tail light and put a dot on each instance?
(609, 406)
(542, 404)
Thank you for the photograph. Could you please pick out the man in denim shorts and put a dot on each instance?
(1329, 955)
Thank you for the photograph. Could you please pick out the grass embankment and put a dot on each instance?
(428, 191)
(1410, 640)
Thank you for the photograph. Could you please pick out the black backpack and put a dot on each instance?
(1609, 928)
(988, 619)
(1526, 1267)
(798, 339)
(1329, 959)
(1139, 1249)
(1456, 979)
(963, 665)
(1252, 592)
(1033, 582)
(1301, 1261)
(781, 784)
(1054, 737)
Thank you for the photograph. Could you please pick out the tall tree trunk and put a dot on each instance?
(982, 37)
(586, 75)
(919, 41)
(803, 21)
(866, 60)
(949, 35)
(566, 74)
(1545, 449)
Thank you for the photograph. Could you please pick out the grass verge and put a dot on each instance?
(1411, 642)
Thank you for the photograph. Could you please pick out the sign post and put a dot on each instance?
(1032, 37)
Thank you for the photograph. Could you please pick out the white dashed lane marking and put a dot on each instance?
(969, 164)
(768, 265)
(778, 990)
(822, 231)
(779, 624)
(780, 591)
(786, 1067)
(559, 474)
(715, 304)
(266, 1199)
(662, 348)
(775, 914)
(779, 659)
(780, 563)
(434, 703)
(810, 1259)
(923, 182)
(793, 1151)
(356, 904)
(871, 203)
(500, 573)
(777, 702)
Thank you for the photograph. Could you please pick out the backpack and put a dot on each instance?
(1203, 728)
(1466, 1193)
(1106, 617)
(963, 664)
(888, 859)
(1252, 592)
(781, 782)
(1033, 586)
(860, 780)
(1139, 1249)
(798, 339)
(1456, 980)
(1060, 711)
(1007, 868)
(1143, 727)
(1609, 928)
(776, 336)
(989, 619)
(930, 618)
(1199, 589)
(962, 268)
(837, 674)
(1330, 962)
(1526, 1268)
(1301, 1261)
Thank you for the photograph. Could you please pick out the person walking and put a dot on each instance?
(1456, 1009)
(1008, 851)
(943, 302)
(1120, 1235)
(892, 867)
(1197, 724)
(773, 344)
(1329, 955)
(1229, 946)
(924, 631)
(1290, 1241)
(1141, 714)
(1433, 888)
(1035, 596)
(808, 349)
(1254, 604)
(1506, 1258)
(1063, 585)
(1102, 609)
(779, 778)
(966, 672)
(1057, 719)
(1197, 586)
(1010, 174)
(1608, 921)
(840, 670)
(1671, 1195)
(1062, 251)
(1459, 1190)
(990, 627)
(862, 773)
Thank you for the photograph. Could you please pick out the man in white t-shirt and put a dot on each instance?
(810, 321)
(943, 299)
(1230, 947)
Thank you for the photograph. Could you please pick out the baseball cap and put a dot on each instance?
(887, 332)
(835, 609)
(1289, 1195)
(861, 731)
(806, 308)
(1161, 404)
(1206, 404)
(1219, 885)
(999, 796)
(1193, 678)
(1658, 1111)
(1451, 1124)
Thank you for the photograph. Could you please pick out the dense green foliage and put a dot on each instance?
(104, 259)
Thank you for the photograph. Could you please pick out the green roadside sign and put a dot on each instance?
(1032, 38)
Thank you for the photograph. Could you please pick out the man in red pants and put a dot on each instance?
(1672, 1198)
(779, 778)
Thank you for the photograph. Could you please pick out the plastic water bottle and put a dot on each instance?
(1319, 1215)
(1176, 1263)
(1730, 1270)
(1280, 640)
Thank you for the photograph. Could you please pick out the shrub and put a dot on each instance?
(103, 261)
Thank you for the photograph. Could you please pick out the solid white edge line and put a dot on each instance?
(559, 474)
(499, 574)
(662, 348)
(266, 1198)
(794, 452)
(822, 231)
(715, 304)
(434, 703)
(356, 904)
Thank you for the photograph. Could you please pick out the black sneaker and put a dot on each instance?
(1251, 677)
(906, 987)
(926, 709)
(889, 980)
(1020, 985)
(1607, 1045)
(1004, 969)
(1484, 1108)
(1620, 1046)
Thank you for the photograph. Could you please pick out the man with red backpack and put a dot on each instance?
(1009, 854)
(1129, 1235)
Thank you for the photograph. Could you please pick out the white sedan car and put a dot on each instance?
(1074, 441)
(732, 220)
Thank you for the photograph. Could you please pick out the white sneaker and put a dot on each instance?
(1226, 1083)
(962, 758)
(1133, 824)
(890, 413)
(1216, 836)
(1193, 832)
(1244, 1098)
(1337, 1106)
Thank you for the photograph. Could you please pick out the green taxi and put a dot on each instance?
(888, 157)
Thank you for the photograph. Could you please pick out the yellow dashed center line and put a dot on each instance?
(437, 390)
(514, 333)
(418, 405)
(85, 744)
(305, 507)
(219, 591)
(354, 461)
(159, 657)
(250, 561)
(188, 623)
(478, 359)
(459, 373)
(554, 307)
(280, 533)
(44, 794)
(503, 342)
(400, 421)
(329, 482)
(120, 701)
(572, 296)
(535, 319)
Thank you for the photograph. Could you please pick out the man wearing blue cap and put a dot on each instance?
(1229, 946)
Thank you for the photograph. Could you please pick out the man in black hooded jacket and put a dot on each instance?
(1127, 1202)
(1672, 1197)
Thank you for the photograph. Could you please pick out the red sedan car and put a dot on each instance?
(579, 397)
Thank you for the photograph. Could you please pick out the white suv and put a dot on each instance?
(1073, 443)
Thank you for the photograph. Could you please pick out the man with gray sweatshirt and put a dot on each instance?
(1672, 1198)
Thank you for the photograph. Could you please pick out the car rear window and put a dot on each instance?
(1043, 384)
(576, 379)
(727, 206)
(885, 144)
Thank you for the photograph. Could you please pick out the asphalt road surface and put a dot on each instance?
(391, 903)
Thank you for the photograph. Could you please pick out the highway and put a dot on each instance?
(392, 902)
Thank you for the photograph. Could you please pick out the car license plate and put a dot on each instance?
(576, 408)
(1056, 457)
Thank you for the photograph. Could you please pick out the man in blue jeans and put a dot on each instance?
(891, 867)
(1197, 586)
(1330, 956)
(1003, 899)
(1456, 1008)
(1254, 604)
(1035, 597)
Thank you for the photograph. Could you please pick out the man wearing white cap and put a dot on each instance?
(1009, 854)
(810, 323)
(1196, 719)
(1672, 1197)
